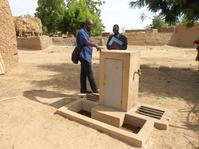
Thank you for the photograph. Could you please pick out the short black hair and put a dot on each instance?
(116, 25)
(89, 21)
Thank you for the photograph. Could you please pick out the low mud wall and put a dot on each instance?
(34, 43)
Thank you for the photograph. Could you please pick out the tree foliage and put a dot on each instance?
(172, 10)
(185, 22)
(51, 13)
(158, 23)
(56, 15)
(78, 12)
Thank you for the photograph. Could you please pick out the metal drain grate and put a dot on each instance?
(151, 112)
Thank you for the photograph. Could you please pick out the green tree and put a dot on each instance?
(51, 13)
(185, 22)
(78, 12)
(158, 23)
(172, 10)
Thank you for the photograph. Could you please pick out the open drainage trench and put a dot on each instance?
(130, 123)
(127, 125)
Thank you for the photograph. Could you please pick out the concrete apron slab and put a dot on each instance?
(111, 121)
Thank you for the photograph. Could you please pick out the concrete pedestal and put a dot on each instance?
(119, 79)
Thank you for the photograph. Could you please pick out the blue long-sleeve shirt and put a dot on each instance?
(81, 40)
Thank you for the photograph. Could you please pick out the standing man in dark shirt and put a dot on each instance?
(117, 41)
(83, 41)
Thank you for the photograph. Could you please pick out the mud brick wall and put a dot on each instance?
(148, 38)
(158, 39)
(136, 38)
(34, 43)
(8, 45)
(167, 30)
(72, 41)
(64, 41)
(101, 41)
(45, 41)
(184, 37)
(180, 37)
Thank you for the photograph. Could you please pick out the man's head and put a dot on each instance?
(88, 25)
(116, 29)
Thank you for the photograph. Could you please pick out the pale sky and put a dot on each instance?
(113, 12)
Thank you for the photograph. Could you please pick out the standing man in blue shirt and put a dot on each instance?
(85, 56)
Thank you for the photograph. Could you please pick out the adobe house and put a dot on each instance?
(29, 33)
(8, 44)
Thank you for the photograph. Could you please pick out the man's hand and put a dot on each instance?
(98, 49)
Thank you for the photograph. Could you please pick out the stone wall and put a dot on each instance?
(8, 45)
(34, 43)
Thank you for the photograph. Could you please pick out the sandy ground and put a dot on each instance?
(46, 80)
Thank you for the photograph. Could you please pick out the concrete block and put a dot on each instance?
(108, 115)
(88, 105)
(75, 106)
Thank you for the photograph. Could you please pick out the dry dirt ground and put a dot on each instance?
(46, 80)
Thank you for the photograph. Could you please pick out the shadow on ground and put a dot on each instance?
(52, 98)
(66, 77)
